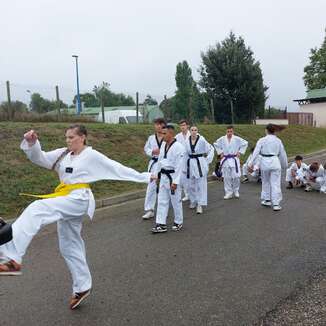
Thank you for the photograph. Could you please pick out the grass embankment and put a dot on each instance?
(119, 142)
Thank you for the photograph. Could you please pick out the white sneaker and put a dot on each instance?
(266, 203)
(192, 205)
(237, 195)
(308, 188)
(277, 208)
(185, 198)
(148, 215)
(228, 196)
(199, 210)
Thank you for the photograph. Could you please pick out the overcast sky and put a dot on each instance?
(135, 45)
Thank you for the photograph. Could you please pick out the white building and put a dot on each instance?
(315, 103)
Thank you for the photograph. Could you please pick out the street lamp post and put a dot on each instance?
(78, 95)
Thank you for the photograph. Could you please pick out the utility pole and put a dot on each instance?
(212, 109)
(10, 113)
(77, 80)
(232, 112)
(57, 99)
(137, 107)
(102, 104)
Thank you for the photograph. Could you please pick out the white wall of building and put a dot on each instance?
(319, 112)
(264, 122)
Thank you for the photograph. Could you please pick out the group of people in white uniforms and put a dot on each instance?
(309, 177)
(77, 166)
(174, 170)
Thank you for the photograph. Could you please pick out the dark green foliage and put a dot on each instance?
(229, 72)
(315, 72)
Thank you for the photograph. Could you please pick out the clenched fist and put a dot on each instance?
(31, 137)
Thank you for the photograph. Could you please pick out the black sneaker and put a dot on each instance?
(159, 228)
(176, 227)
(290, 185)
(245, 180)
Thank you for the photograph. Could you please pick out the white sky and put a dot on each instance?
(135, 45)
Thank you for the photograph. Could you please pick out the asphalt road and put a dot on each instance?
(228, 266)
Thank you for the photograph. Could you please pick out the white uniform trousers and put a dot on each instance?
(150, 199)
(163, 203)
(231, 180)
(184, 183)
(68, 213)
(271, 186)
(198, 190)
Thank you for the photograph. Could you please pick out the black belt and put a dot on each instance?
(5, 232)
(196, 156)
(154, 159)
(267, 155)
(168, 174)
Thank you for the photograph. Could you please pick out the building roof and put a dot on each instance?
(313, 96)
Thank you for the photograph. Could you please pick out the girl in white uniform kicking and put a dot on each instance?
(77, 166)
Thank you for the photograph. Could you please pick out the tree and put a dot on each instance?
(149, 100)
(40, 104)
(89, 100)
(110, 98)
(15, 107)
(233, 79)
(183, 95)
(315, 72)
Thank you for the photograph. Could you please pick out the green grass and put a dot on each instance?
(119, 142)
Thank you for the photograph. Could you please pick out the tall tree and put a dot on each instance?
(233, 79)
(183, 95)
(315, 72)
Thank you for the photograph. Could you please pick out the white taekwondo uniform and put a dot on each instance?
(273, 158)
(315, 179)
(199, 156)
(182, 139)
(152, 143)
(230, 163)
(169, 167)
(68, 211)
(297, 171)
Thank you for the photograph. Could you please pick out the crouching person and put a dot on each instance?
(254, 173)
(295, 171)
(168, 171)
(314, 178)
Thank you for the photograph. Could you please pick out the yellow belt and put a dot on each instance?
(61, 190)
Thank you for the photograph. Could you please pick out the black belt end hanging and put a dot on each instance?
(5, 232)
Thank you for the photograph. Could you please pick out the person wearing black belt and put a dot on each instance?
(182, 137)
(168, 171)
(273, 158)
(200, 155)
(152, 149)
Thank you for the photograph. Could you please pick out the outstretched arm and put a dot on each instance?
(32, 148)
(103, 168)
